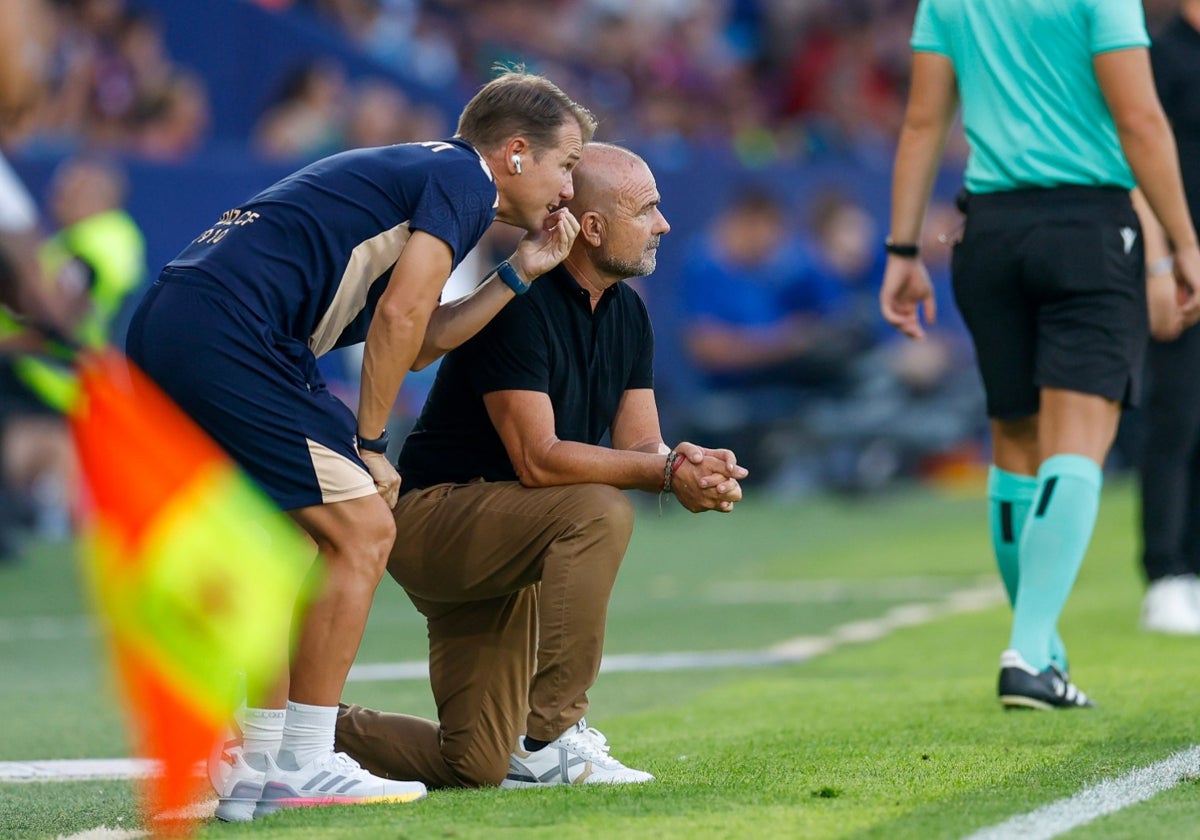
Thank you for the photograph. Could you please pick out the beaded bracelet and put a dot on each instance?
(674, 462)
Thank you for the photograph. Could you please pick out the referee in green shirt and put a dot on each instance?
(1060, 111)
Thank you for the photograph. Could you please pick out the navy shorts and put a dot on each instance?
(1051, 284)
(256, 392)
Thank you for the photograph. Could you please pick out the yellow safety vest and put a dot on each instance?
(113, 246)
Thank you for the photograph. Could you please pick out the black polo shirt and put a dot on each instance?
(1175, 54)
(547, 340)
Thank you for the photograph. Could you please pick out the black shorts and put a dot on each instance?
(257, 393)
(1051, 284)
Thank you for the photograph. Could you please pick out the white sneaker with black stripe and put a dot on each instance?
(577, 757)
(331, 779)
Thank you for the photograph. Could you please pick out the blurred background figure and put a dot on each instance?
(761, 328)
(1170, 463)
(911, 408)
(757, 312)
(305, 121)
(26, 38)
(97, 252)
(95, 262)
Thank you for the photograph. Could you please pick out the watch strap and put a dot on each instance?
(377, 445)
(509, 276)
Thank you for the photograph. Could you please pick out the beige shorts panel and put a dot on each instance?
(339, 478)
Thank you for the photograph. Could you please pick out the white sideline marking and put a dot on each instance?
(1094, 802)
(42, 628)
(104, 833)
(199, 811)
(837, 590)
(788, 652)
(75, 769)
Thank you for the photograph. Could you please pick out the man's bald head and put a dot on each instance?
(600, 176)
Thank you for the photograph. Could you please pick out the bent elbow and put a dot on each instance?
(407, 316)
(1141, 124)
(529, 474)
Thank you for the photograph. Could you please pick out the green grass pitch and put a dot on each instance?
(900, 737)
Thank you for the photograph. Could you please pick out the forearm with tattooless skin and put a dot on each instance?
(917, 157)
(393, 341)
(397, 327)
(1153, 234)
(453, 323)
(570, 462)
(932, 104)
(1127, 83)
(1153, 157)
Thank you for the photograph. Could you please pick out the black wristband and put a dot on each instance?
(377, 445)
(511, 279)
(901, 249)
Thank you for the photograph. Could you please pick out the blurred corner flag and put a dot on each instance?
(194, 571)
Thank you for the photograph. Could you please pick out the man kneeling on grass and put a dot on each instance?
(512, 522)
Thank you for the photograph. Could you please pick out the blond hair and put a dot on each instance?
(517, 103)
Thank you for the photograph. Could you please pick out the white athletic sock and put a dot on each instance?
(262, 730)
(308, 733)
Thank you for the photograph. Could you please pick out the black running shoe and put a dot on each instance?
(1023, 687)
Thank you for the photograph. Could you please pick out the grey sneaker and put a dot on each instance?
(577, 757)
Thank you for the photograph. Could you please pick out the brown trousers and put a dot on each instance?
(514, 583)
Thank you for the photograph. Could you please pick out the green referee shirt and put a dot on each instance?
(1032, 108)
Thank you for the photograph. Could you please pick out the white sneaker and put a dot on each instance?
(578, 756)
(237, 777)
(1171, 606)
(331, 779)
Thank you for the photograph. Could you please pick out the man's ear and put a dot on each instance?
(592, 228)
(516, 146)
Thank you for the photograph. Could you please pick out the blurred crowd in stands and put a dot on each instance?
(766, 80)
(113, 86)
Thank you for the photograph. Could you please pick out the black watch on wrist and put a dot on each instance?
(377, 445)
(910, 250)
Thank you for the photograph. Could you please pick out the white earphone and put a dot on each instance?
(516, 160)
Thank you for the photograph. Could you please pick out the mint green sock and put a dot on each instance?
(1056, 536)
(1010, 496)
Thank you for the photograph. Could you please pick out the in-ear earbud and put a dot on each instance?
(516, 161)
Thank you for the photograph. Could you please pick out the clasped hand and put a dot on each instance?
(708, 479)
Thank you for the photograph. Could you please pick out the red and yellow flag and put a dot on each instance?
(194, 570)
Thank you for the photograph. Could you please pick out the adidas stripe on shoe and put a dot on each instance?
(1022, 686)
(331, 779)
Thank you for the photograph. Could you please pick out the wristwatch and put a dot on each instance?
(377, 445)
(511, 279)
(901, 249)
